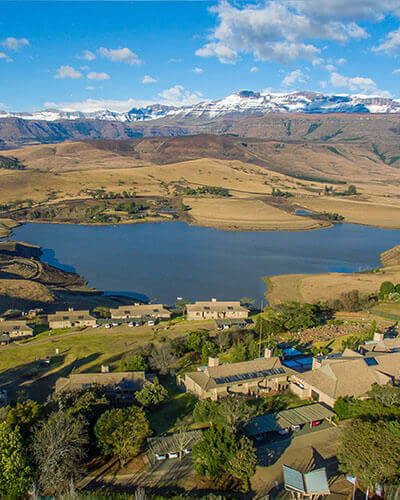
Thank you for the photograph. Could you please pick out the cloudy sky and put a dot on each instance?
(117, 55)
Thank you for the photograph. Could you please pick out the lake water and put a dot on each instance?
(168, 260)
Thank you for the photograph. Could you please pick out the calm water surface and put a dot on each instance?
(172, 259)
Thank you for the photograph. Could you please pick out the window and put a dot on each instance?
(206, 308)
(80, 317)
(230, 308)
(126, 312)
(65, 318)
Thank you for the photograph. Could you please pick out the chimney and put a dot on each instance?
(379, 336)
(316, 363)
(267, 352)
(213, 362)
(105, 369)
(213, 300)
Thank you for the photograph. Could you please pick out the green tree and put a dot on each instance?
(152, 394)
(243, 464)
(385, 395)
(16, 474)
(351, 190)
(122, 432)
(102, 312)
(195, 340)
(84, 403)
(386, 288)
(205, 411)
(24, 415)
(232, 413)
(134, 362)
(208, 349)
(238, 352)
(213, 453)
(370, 451)
(59, 449)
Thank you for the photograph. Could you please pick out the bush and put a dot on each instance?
(386, 288)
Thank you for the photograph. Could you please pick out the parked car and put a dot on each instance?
(161, 457)
(107, 325)
(131, 325)
(151, 323)
(187, 452)
(295, 428)
(173, 455)
(96, 325)
(316, 423)
(115, 324)
(283, 432)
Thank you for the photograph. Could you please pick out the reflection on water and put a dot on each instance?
(166, 260)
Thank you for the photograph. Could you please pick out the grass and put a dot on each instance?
(389, 311)
(179, 405)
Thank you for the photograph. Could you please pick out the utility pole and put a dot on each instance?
(259, 344)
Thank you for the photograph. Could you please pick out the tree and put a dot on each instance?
(195, 340)
(59, 450)
(24, 415)
(351, 190)
(122, 432)
(163, 360)
(385, 395)
(243, 464)
(85, 403)
(370, 451)
(238, 352)
(182, 437)
(102, 312)
(152, 394)
(16, 474)
(232, 413)
(386, 288)
(223, 340)
(213, 453)
(205, 411)
(208, 349)
(134, 362)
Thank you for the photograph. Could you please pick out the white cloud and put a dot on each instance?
(342, 60)
(330, 67)
(396, 71)
(296, 76)
(5, 57)
(87, 55)
(124, 55)
(12, 43)
(83, 68)
(67, 72)
(357, 84)
(254, 69)
(391, 45)
(91, 105)
(282, 30)
(175, 60)
(97, 76)
(148, 79)
(90, 87)
(179, 96)
(317, 61)
(197, 70)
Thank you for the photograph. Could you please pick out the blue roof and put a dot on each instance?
(291, 363)
(291, 352)
(304, 361)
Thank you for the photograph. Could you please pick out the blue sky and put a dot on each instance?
(115, 55)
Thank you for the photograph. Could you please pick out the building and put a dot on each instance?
(380, 343)
(70, 318)
(139, 311)
(261, 375)
(173, 445)
(120, 384)
(15, 329)
(347, 375)
(215, 309)
(286, 420)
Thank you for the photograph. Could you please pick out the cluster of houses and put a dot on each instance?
(225, 313)
(348, 374)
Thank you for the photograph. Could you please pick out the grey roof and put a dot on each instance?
(293, 478)
(171, 442)
(286, 418)
(316, 481)
(129, 381)
(9, 326)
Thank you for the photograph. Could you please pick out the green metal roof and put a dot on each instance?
(171, 442)
(286, 418)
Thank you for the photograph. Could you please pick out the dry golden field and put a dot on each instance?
(329, 286)
(163, 167)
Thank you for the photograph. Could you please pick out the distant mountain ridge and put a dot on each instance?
(244, 102)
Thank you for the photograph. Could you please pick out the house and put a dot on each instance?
(15, 329)
(173, 445)
(139, 311)
(215, 309)
(120, 384)
(347, 375)
(261, 375)
(380, 343)
(70, 318)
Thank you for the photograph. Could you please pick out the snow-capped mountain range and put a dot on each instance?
(244, 102)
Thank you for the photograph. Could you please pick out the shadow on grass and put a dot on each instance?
(38, 380)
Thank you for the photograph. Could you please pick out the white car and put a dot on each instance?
(131, 325)
(151, 323)
(95, 325)
(107, 325)
(283, 432)
(115, 324)
(161, 457)
(173, 455)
